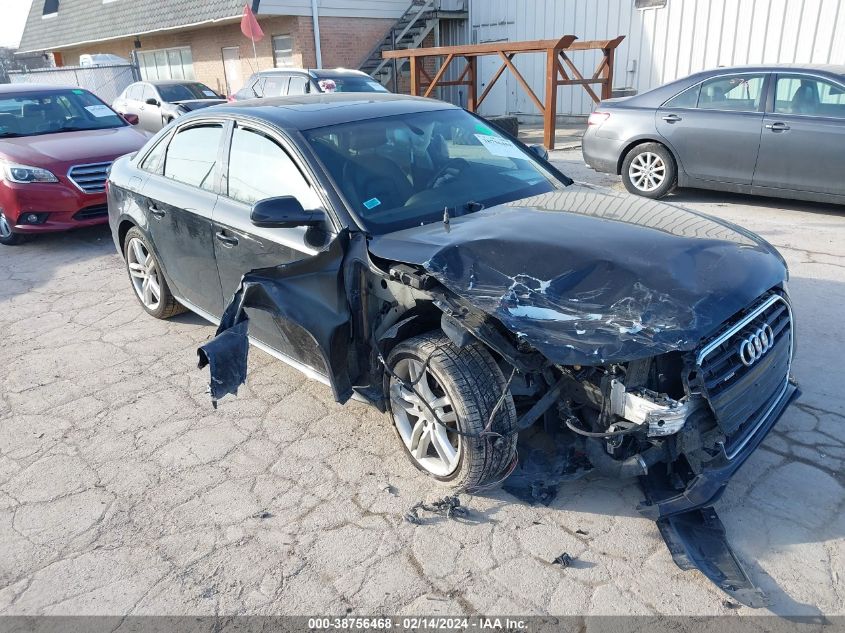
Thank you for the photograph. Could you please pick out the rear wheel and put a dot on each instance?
(462, 388)
(8, 237)
(148, 282)
(649, 170)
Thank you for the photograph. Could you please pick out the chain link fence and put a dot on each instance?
(107, 82)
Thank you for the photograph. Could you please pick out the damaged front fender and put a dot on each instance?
(309, 293)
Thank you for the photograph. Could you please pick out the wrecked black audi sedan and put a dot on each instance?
(407, 253)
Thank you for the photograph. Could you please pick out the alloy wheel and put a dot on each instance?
(5, 229)
(647, 171)
(144, 274)
(435, 447)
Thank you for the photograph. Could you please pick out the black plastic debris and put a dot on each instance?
(697, 540)
(564, 560)
(449, 507)
(263, 514)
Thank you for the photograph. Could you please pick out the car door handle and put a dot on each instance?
(777, 127)
(671, 118)
(159, 213)
(226, 240)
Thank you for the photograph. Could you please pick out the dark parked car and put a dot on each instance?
(404, 252)
(296, 81)
(764, 130)
(157, 103)
(56, 146)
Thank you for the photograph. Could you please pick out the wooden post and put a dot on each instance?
(607, 86)
(550, 115)
(473, 83)
(415, 76)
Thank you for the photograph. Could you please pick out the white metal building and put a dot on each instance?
(664, 41)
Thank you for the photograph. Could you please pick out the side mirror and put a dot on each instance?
(131, 119)
(540, 151)
(284, 212)
(151, 101)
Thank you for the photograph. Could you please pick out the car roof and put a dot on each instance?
(18, 88)
(169, 82)
(316, 72)
(305, 112)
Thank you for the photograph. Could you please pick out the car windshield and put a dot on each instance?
(186, 92)
(401, 171)
(350, 84)
(49, 112)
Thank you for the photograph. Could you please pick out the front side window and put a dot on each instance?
(740, 93)
(148, 93)
(350, 84)
(259, 169)
(399, 171)
(134, 92)
(52, 111)
(809, 96)
(192, 155)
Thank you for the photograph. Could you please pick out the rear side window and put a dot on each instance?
(275, 86)
(192, 156)
(809, 96)
(154, 161)
(687, 99)
(259, 168)
(298, 85)
(741, 93)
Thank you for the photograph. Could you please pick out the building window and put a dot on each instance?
(283, 50)
(649, 4)
(51, 8)
(167, 63)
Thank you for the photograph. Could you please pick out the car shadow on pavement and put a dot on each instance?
(724, 198)
(41, 258)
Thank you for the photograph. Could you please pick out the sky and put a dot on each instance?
(14, 17)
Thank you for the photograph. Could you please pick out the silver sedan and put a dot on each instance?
(763, 130)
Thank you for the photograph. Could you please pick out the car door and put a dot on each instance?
(130, 103)
(803, 143)
(714, 127)
(150, 113)
(180, 202)
(259, 167)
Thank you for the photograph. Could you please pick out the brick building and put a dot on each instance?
(201, 39)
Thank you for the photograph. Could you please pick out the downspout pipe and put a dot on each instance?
(316, 21)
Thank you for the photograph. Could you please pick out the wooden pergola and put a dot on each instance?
(557, 62)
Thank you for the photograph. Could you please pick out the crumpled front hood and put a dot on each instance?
(588, 276)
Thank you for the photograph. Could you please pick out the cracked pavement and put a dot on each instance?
(123, 492)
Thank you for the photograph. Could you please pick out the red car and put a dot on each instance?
(56, 148)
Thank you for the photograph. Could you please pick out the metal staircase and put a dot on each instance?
(409, 31)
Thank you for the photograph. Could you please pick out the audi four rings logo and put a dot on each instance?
(756, 344)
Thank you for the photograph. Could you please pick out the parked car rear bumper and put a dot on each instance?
(60, 207)
(601, 154)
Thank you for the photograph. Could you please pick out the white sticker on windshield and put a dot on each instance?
(99, 111)
(499, 146)
(209, 93)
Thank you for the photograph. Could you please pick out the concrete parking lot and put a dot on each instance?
(122, 491)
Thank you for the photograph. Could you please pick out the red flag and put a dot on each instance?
(249, 25)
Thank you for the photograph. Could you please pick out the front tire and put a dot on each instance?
(147, 280)
(7, 236)
(463, 387)
(649, 170)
